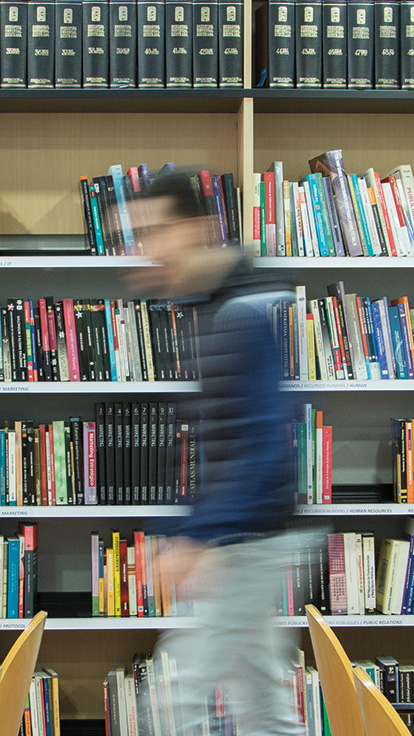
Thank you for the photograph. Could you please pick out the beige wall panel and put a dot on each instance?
(42, 157)
(382, 141)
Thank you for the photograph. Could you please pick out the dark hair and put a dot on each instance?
(179, 186)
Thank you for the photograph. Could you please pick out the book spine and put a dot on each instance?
(308, 44)
(337, 574)
(40, 44)
(151, 47)
(230, 27)
(205, 43)
(407, 43)
(387, 44)
(95, 26)
(178, 43)
(70, 329)
(122, 43)
(361, 44)
(334, 44)
(13, 47)
(281, 44)
(68, 43)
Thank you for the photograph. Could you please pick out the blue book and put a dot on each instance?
(317, 210)
(48, 705)
(110, 336)
(219, 206)
(96, 220)
(33, 335)
(407, 601)
(397, 341)
(2, 467)
(144, 176)
(13, 563)
(406, 340)
(362, 215)
(379, 340)
(120, 194)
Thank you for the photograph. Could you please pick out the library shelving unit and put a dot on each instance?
(51, 137)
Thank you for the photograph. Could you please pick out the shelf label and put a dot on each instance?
(8, 388)
(6, 264)
(12, 624)
(19, 511)
(326, 385)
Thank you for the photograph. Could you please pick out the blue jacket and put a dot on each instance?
(247, 480)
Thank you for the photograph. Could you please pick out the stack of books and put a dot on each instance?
(113, 222)
(311, 446)
(330, 213)
(42, 711)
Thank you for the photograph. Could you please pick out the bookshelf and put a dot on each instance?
(49, 138)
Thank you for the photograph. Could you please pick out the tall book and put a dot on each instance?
(95, 20)
(309, 44)
(30, 530)
(387, 44)
(407, 44)
(151, 46)
(122, 43)
(205, 43)
(68, 43)
(179, 43)
(334, 44)
(361, 44)
(40, 44)
(230, 27)
(13, 44)
(281, 43)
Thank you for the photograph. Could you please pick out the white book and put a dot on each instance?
(155, 709)
(396, 228)
(298, 218)
(120, 688)
(120, 363)
(310, 715)
(257, 243)
(368, 553)
(39, 707)
(33, 708)
(351, 573)
(48, 470)
(316, 700)
(404, 173)
(400, 574)
(302, 334)
(311, 215)
(360, 567)
(132, 582)
(375, 241)
(123, 341)
(277, 167)
(131, 705)
(168, 691)
(307, 237)
(319, 344)
(11, 438)
(128, 340)
(309, 452)
(133, 333)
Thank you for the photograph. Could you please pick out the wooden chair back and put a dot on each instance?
(380, 718)
(336, 678)
(16, 675)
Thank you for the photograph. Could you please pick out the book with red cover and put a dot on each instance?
(70, 328)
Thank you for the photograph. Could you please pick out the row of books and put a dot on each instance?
(18, 572)
(137, 43)
(359, 44)
(311, 446)
(97, 340)
(145, 698)
(113, 224)
(131, 579)
(345, 337)
(42, 710)
(137, 453)
(331, 213)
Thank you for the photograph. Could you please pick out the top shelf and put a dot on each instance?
(205, 100)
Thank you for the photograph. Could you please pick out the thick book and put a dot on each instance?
(407, 44)
(135, 453)
(205, 43)
(95, 31)
(13, 44)
(387, 44)
(281, 43)
(309, 44)
(122, 43)
(151, 43)
(230, 32)
(68, 43)
(40, 44)
(178, 43)
(361, 44)
(334, 44)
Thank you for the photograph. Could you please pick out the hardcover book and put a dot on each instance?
(387, 44)
(309, 44)
(407, 44)
(205, 43)
(40, 44)
(361, 44)
(334, 44)
(281, 43)
(178, 43)
(68, 43)
(95, 17)
(151, 46)
(122, 43)
(230, 26)
(13, 44)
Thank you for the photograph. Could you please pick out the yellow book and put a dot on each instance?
(311, 347)
(110, 598)
(117, 571)
(387, 564)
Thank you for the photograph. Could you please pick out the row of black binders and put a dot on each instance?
(346, 44)
(121, 43)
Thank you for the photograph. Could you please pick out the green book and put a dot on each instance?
(325, 215)
(302, 464)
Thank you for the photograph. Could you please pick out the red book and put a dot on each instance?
(327, 464)
(138, 537)
(71, 342)
(123, 561)
(385, 214)
(134, 176)
(270, 212)
(52, 466)
(43, 464)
